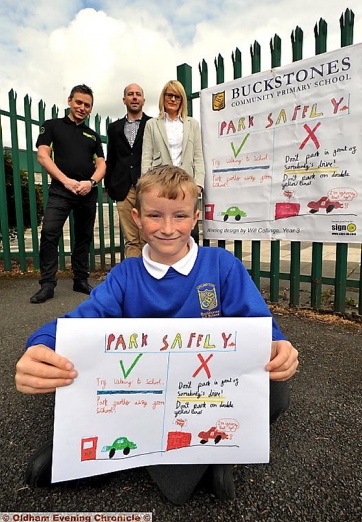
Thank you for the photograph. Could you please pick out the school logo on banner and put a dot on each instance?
(218, 101)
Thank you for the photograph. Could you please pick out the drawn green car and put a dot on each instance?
(233, 212)
(122, 443)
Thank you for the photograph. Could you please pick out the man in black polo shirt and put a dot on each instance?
(72, 154)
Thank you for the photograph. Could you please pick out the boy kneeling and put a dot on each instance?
(162, 283)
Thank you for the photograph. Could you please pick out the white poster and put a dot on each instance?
(283, 152)
(159, 391)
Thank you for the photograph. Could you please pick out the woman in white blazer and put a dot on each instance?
(174, 138)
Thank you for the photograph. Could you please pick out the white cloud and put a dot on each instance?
(47, 46)
(260, 22)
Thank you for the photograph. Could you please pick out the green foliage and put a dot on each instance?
(10, 197)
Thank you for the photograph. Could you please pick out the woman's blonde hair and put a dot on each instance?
(178, 88)
(170, 181)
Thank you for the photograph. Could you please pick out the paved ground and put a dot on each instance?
(315, 473)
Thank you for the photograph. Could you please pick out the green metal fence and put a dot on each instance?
(107, 248)
(272, 262)
(315, 279)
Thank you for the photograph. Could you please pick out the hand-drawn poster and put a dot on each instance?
(160, 391)
(283, 152)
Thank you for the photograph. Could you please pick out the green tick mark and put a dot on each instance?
(126, 373)
(236, 152)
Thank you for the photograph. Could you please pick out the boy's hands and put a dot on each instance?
(283, 361)
(41, 370)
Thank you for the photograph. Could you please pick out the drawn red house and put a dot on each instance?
(209, 211)
(178, 439)
(88, 449)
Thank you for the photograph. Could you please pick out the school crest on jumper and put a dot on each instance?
(207, 296)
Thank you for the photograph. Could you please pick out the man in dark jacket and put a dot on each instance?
(125, 137)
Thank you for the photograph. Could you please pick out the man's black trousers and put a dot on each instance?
(59, 206)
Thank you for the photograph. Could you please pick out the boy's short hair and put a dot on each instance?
(170, 181)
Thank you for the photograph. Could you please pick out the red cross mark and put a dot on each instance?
(311, 135)
(203, 366)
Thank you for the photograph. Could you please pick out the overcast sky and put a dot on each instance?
(47, 46)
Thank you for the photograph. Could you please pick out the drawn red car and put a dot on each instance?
(212, 434)
(324, 203)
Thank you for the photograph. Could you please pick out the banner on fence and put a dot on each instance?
(161, 391)
(283, 152)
